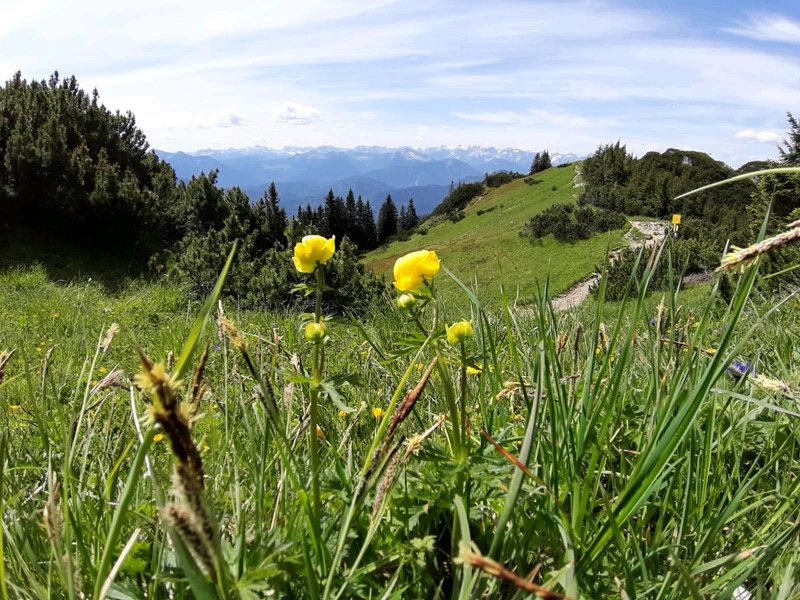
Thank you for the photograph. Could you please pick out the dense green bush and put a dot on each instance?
(458, 198)
(495, 180)
(568, 223)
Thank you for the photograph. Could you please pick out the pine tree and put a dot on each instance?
(537, 160)
(387, 220)
(366, 221)
(402, 220)
(545, 161)
(335, 216)
(351, 224)
(411, 215)
(272, 219)
(790, 147)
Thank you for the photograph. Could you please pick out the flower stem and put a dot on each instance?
(313, 443)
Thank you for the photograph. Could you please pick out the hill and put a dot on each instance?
(490, 230)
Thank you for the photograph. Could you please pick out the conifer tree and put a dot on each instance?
(387, 220)
(366, 222)
(411, 215)
(271, 218)
(401, 218)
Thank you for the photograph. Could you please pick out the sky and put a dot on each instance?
(717, 77)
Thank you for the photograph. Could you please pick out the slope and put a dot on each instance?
(472, 246)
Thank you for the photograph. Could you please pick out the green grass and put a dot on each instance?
(651, 473)
(471, 247)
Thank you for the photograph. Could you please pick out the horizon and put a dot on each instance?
(710, 77)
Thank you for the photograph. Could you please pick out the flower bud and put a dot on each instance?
(406, 301)
(315, 332)
(459, 332)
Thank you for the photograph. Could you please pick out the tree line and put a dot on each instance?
(73, 170)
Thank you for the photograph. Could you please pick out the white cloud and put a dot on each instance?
(295, 114)
(231, 120)
(770, 28)
(761, 136)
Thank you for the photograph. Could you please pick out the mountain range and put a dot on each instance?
(303, 175)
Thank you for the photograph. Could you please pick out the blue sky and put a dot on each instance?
(711, 76)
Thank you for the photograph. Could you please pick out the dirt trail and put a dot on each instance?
(653, 232)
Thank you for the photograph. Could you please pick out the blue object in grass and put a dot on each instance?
(738, 369)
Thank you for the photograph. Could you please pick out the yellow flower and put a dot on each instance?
(459, 332)
(377, 412)
(313, 250)
(473, 371)
(342, 413)
(102, 369)
(38, 349)
(419, 366)
(158, 437)
(711, 350)
(412, 269)
(315, 332)
(14, 406)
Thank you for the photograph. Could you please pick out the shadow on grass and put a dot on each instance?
(65, 261)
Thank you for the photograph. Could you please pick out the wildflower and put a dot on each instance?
(342, 413)
(459, 332)
(739, 369)
(473, 370)
(158, 437)
(419, 366)
(102, 369)
(313, 250)
(315, 332)
(377, 412)
(38, 349)
(411, 270)
(406, 301)
(14, 406)
(711, 350)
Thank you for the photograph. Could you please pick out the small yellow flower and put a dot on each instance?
(38, 349)
(94, 382)
(411, 270)
(377, 412)
(315, 332)
(14, 406)
(158, 437)
(313, 250)
(342, 413)
(419, 366)
(473, 371)
(459, 332)
(711, 350)
(102, 369)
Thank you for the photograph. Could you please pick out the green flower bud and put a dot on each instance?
(406, 301)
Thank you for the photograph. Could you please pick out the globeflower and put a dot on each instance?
(411, 270)
(313, 250)
(459, 332)
(315, 332)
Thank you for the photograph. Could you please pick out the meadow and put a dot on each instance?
(491, 227)
(155, 447)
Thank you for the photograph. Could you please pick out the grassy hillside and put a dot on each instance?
(468, 247)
